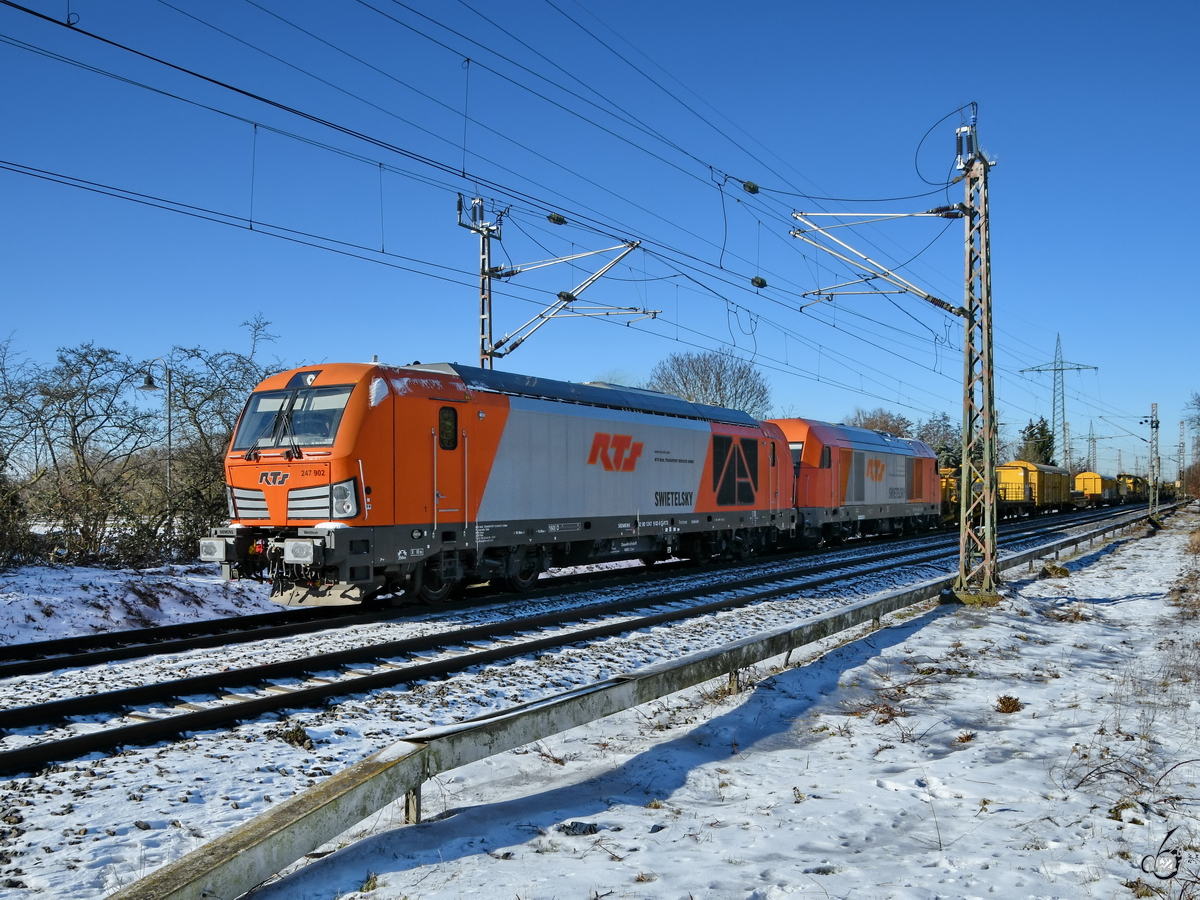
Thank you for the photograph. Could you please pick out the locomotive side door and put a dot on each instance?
(449, 469)
(773, 478)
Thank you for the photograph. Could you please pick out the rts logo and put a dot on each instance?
(615, 444)
(273, 477)
(876, 469)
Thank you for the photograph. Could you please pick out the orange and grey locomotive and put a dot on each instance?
(352, 481)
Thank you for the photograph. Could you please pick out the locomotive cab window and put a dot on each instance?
(302, 417)
(826, 458)
(797, 449)
(448, 428)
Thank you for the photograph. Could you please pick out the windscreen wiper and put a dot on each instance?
(252, 452)
(290, 430)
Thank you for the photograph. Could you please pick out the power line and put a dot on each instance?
(446, 170)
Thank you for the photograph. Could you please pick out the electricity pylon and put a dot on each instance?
(1093, 460)
(1058, 416)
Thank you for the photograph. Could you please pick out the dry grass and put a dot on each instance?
(880, 711)
(1141, 889)
(1193, 545)
(1185, 593)
(1054, 570)
(965, 738)
(1074, 612)
(1006, 703)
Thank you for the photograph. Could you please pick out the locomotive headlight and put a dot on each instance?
(299, 552)
(345, 500)
(213, 549)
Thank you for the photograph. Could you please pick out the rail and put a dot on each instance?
(251, 853)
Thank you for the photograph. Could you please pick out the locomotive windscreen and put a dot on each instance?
(305, 417)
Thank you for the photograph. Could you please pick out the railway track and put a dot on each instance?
(168, 709)
(95, 649)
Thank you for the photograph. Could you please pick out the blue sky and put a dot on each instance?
(635, 122)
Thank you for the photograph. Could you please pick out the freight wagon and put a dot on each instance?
(348, 482)
(1096, 489)
(1132, 488)
(1022, 489)
(1032, 487)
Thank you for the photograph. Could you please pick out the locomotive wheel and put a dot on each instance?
(524, 581)
(434, 588)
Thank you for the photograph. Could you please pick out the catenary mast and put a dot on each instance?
(977, 575)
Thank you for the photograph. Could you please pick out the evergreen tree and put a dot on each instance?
(945, 437)
(1037, 443)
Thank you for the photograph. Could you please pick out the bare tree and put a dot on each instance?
(17, 428)
(881, 419)
(1191, 410)
(91, 434)
(713, 377)
(208, 392)
(84, 454)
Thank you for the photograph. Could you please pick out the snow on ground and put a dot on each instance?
(880, 770)
(41, 603)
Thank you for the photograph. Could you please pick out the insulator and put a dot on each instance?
(759, 282)
(749, 187)
(946, 212)
(557, 219)
(970, 144)
(958, 144)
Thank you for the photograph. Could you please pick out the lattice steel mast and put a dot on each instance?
(1154, 461)
(486, 231)
(977, 578)
(1181, 467)
(977, 575)
(565, 306)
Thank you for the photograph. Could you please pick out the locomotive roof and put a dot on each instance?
(596, 394)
